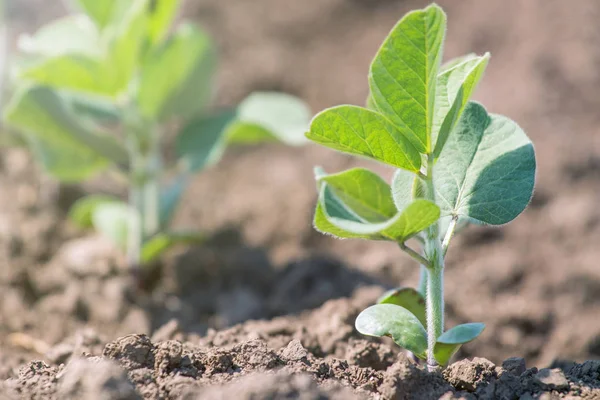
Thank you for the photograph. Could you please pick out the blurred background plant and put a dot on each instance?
(97, 92)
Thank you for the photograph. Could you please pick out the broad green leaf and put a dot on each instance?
(106, 72)
(202, 142)
(285, 116)
(189, 60)
(162, 14)
(363, 132)
(113, 220)
(71, 34)
(370, 103)
(65, 147)
(79, 72)
(363, 192)
(125, 40)
(170, 196)
(407, 298)
(396, 322)
(450, 341)
(403, 74)
(406, 187)
(239, 132)
(486, 171)
(82, 210)
(97, 109)
(454, 88)
(101, 11)
(161, 242)
(455, 61)
(358, 204)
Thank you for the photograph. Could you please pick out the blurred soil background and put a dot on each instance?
(535, 283)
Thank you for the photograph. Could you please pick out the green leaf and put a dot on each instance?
(239, 132)
(454, 88)
(403, 74)
(486, 171)
(113, 220)
(202, 142)
(370, 103)
(396, 322)
(97, 109)
(450, 341)
(407, 298)
(283, 116)
(363, 192)
(162, 14)
(358, 204)
(455, 61)
(161, 242)
(79, 72)
(363, 132)
(65, 147)
(100, 11)
(82, 210)
(406, 187)
(170, 197)
(189, 60)
(71, 34)
(126, 39)
(106, 72)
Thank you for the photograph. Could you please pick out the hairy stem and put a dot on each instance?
(435, 278)
(422, 288)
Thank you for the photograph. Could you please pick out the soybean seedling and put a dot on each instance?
(96, 92)
(456, 163)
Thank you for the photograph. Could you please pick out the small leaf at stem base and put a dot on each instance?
(408, 298)
(396, 322)
(450, 341)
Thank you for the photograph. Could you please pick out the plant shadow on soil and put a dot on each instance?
(225, 282)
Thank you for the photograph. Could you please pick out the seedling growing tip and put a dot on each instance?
(456, 164)
(98, 90)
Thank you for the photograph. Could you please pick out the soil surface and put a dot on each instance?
(265, 308)
(281, 359)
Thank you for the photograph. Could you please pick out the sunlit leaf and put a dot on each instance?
(404, 72)
(450, 341)
(396, 322)
(486, 171)
(82, 210)
(363, 132)
(408, 298)
(188, 59)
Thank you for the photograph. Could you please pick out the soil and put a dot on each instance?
(265, 308)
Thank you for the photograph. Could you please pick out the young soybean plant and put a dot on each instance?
(94, 93)
(456, 163)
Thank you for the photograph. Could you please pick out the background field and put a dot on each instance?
(535, 283)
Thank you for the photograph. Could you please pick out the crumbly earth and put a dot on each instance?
(535, 283)
(281, 359)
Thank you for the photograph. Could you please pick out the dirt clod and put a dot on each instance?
(95, 378)
(470, 374)
(552, 379)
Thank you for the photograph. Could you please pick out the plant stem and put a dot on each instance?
(416, 256)
(435, 312)
(135, 228)
(422, 288)
(435, 278)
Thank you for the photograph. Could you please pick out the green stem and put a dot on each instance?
(135, 228)
(422, 288)
(435, 278)
(435, 312)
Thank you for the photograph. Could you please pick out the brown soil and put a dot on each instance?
(535, 283)
(278, 359)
